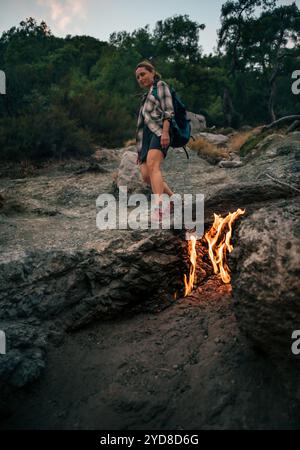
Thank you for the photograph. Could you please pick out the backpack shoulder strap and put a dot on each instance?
(154, 90)
(143, 99)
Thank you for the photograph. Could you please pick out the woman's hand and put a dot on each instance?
(165, 139)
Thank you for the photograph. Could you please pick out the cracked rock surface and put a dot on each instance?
(101, 304)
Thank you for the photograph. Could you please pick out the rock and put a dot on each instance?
(58, 272)
(293, 126)
(234, 156)
(77, 287)
(249, 186)
(20, 368)
(198, 122)
(295, 134)
(265, 281)
(130, 148)
(129, 175)
(230, 164)
(93, 167)
(104, 155)
(227, 131)
(25, 352)
(229, 197)
(217, 139)
(267, 142)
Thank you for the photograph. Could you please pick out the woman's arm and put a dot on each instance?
(166, 126)
(165, 137)
(166, 103)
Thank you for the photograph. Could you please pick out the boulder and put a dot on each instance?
(129, 175)
(198, 122)
(265, 277)
(217, 139)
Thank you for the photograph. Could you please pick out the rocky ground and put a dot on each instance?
(95, 336)
(186, 367)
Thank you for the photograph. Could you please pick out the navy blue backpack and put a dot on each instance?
(181, 127)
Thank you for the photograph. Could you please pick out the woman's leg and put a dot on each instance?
(154, 159)
(146, 178)
(145, 173)
(167, 190)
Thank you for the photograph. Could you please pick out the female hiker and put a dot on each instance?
(153, 135)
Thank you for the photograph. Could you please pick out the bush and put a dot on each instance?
(50, 134)
(207, 149)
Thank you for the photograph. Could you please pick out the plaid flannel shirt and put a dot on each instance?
(153, 112)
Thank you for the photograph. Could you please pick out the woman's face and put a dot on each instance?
(144, 77)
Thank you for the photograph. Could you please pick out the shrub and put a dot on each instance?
(50, 134)
(207, 149)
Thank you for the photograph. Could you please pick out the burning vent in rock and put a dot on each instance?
(209, 254)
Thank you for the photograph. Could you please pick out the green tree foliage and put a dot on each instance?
(64, 96)
(255, 51)
(178, 37)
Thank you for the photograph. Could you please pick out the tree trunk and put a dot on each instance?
(228, 109)
(271, 101)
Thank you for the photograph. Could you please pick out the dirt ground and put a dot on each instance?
(184, 367)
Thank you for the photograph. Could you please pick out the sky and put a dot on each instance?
(101, 18)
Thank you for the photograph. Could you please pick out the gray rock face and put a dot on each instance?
(106, 156)
(57, 272)
(44, 293)
(265, 261)
(25, 357)
(129, 175)
(198, 122)
(230, 164)
(265, 282)
(217, 139)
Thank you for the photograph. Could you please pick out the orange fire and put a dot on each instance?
(218, 239)
(219, 242)
(193, 258)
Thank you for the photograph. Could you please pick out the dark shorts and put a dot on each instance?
(150, 141)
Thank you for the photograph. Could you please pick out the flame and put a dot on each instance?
(218, 239)
(217, 251)
(193, 258)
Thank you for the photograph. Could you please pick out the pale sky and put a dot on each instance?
(101, 18)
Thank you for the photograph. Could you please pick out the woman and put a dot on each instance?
(153, 135)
